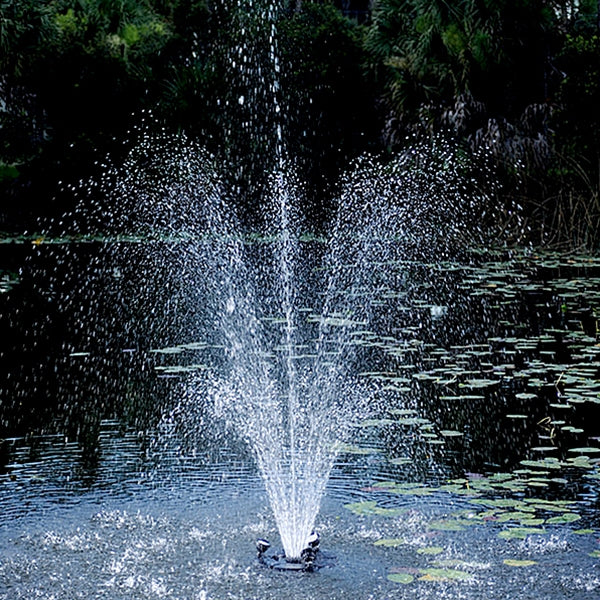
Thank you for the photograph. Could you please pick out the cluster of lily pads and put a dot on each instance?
(514, 516)
(539, 378)
(540, 374)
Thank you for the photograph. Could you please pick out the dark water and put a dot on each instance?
(481, 450)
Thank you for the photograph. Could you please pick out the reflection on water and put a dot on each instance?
(476, 474)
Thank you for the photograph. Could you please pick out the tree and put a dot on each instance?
(477, 67)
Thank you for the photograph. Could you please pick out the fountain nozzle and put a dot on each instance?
(262, 546)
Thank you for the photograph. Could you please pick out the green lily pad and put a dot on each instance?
(411, 421)
(401, 577)
(411, 491)
(515, 485)
(537, 483)
(498, 503)
(444, 575)
(351, 449)
(549, 505)
(512, 562)
(370, 507)
(479, 383)
(513, 516)
(543, 463)
(564, 518)
(584, 531)
(390, 542)
(362, 508)
(430, 550)
(532, 522)
(520, 533)
(447, 525)
(171, 350)
(571, 429)
(386, 485)
(581, 462)
(402, 412)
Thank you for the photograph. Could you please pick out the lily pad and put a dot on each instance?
(512, 562)
(447, 525)
(586, 450)
(498, 503)
(411, 491)
(390, 542)
(520, 533)
(445, 575)
(401, 577)
(362, 508)
(170, 350)
(544, 463)
(564, 518)
(370, 507)
(351, 449)
(513, 516)
(411, 421)
(430, 550)
(584, 531)
(532, 522)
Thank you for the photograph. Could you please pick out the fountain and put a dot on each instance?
(285, 317)
(283, 321)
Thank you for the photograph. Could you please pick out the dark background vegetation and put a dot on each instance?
(518, 79)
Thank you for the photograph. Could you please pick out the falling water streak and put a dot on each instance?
(282, 469)
(275, 87)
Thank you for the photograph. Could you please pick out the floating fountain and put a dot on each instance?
(284, 318)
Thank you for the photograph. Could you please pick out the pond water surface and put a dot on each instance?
(476, 474)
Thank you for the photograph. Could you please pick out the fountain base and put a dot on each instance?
(311, 558)
(279, 562)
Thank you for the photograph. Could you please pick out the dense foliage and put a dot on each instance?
(519, 78)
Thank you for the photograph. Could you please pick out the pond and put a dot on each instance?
(474, 473)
